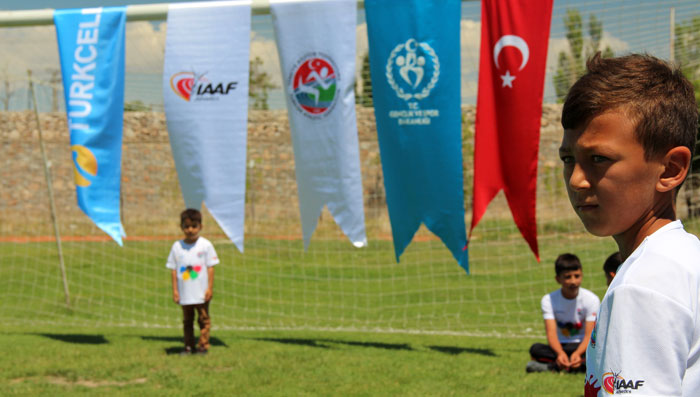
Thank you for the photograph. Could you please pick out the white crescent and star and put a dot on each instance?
(511, 41)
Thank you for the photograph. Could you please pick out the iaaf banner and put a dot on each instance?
(514, 39)
(316, 44)
(91, 49)
(205, 93)
(414, 62)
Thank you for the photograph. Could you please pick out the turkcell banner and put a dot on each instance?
(414, 63)
(205, 93)
(91, 48)
(316, 44)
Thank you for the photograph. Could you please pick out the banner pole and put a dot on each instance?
(49, 186)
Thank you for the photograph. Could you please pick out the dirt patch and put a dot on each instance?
(57, 380)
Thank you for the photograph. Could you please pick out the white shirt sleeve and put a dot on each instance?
(547, 309)
(172, 262)
(592, 305)
(647, 339)
(212, 258)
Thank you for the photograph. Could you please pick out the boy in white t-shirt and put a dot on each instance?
(630, 125)
(569, 315)
(612, 263)
(192, 262)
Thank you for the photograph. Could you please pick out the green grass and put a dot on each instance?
(132, 361)
(330, 321)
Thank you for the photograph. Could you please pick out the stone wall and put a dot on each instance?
(150, 190)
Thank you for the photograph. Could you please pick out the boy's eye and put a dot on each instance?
(567, 159)
(598, 159)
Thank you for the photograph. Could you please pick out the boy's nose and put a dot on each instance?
(577, 179)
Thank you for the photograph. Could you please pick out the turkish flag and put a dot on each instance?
(514, 38)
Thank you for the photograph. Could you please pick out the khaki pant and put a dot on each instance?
(204, 324)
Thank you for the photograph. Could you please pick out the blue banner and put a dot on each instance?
(91, 48)
(414, 52)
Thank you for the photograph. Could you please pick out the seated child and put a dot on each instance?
(630, 126)
(569, 316)
(192, 262)
(610, 266)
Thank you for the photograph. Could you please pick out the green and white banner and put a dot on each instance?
(205, 93)
(316, 44)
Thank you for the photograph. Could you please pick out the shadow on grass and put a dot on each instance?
(78, 338)
(214, 341)
(453, 350)
(325, 343)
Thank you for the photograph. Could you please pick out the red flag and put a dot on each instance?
(514, 38)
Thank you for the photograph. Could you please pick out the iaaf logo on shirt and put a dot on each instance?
(613, 383)
(189, 85)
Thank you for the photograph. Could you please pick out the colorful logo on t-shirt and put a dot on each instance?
(569, 329)
(613, 382)
(591, 390)
(190, 272)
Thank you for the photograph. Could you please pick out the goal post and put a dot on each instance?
(275, 283)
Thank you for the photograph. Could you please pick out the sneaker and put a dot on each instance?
(535, 366)
(201, 351)
(186, 351)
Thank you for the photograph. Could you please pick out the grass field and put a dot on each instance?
(330, 321)
(132, 361)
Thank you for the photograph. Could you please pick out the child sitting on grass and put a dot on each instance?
(610, 267)
(569, 315)
(192, 262)
(630, 125)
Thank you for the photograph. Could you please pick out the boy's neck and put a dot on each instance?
(655, 219)
(190, 241)
(564, 294)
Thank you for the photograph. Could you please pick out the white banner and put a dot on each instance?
(205, 90)
(316, 44)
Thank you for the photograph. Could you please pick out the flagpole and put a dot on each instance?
(137, 12)
(49, 186)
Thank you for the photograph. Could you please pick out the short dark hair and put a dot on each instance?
(612, 263)
(654, 95)
(191, 214)
(566, 263)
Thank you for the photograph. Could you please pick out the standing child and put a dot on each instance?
(192, 262)
(629, 134)
(569, 315)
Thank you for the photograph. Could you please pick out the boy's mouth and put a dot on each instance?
(586, 207)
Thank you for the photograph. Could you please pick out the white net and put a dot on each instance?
(275, 283)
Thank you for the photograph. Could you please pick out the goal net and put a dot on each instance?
(276, 284)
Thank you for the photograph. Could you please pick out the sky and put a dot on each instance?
(629, 25)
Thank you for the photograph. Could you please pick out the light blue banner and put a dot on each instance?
(91, 48)
(414, 54)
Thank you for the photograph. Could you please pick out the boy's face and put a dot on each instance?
(610, 184)
(609, 276)
(570, 282)
(191, 230)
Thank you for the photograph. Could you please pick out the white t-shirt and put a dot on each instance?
(192, 262)
(647, 338)
(570, 314)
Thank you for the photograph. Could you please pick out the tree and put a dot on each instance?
(366, 99)
(55, 82)
(686, 44)
(136, 106)
(7, 89)
(572, 64)
(259, 83)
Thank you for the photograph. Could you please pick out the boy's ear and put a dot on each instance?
(676, 164)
